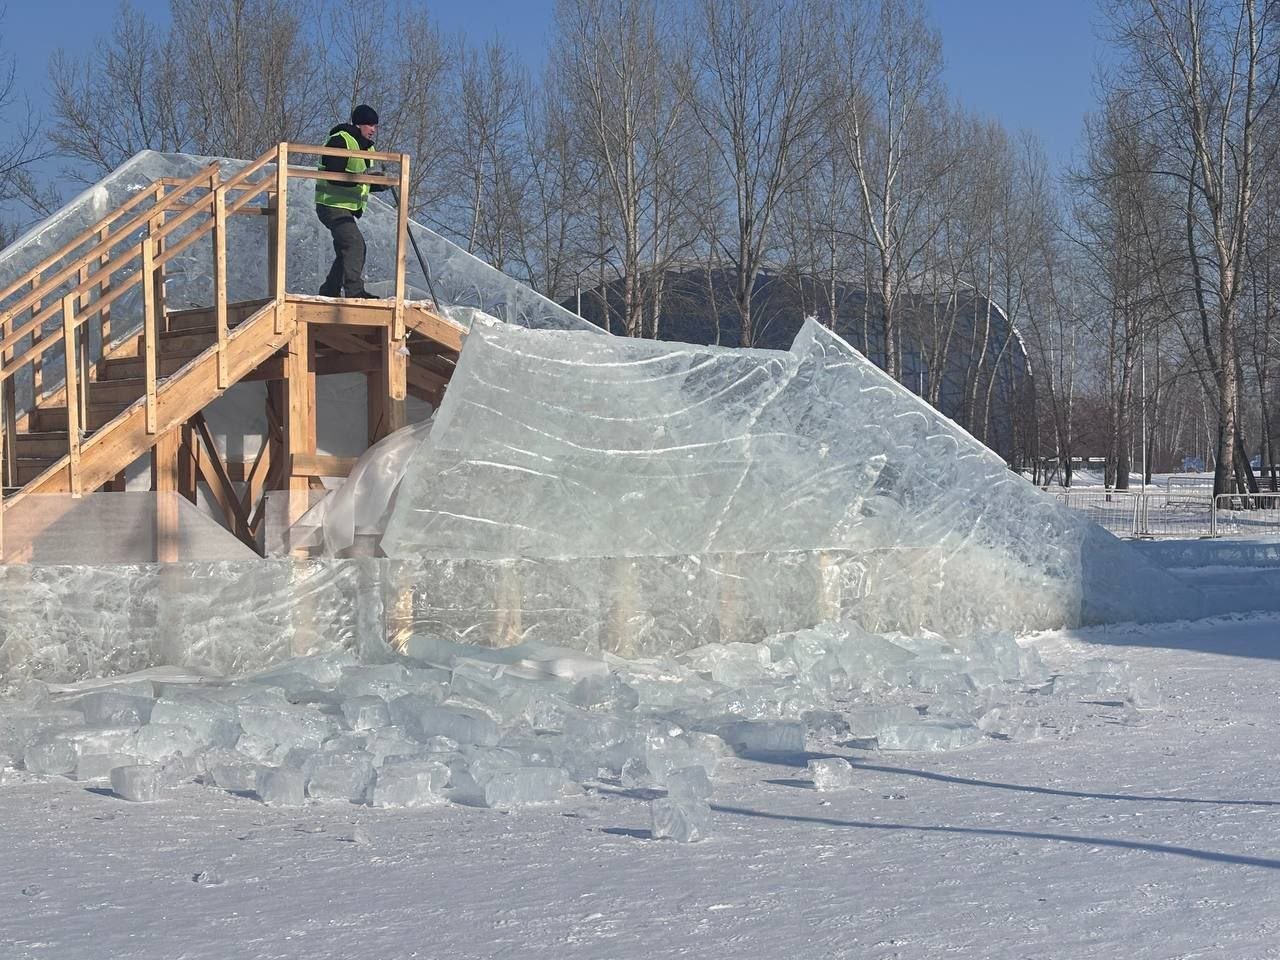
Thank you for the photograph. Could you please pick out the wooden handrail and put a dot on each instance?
(48, 286)
(91, 272)
(53, 258)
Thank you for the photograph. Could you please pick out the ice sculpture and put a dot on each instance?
(557, 445)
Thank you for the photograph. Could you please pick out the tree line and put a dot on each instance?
(810, 139)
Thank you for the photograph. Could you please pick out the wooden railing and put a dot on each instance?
(76, 284)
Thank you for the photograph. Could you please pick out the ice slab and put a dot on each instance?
(344, 775)
(830, 773)
(281, 786)
(140, 782)
(682, 820)
(412, 783)
(626, 448)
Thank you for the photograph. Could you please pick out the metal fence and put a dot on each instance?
(1183, 511)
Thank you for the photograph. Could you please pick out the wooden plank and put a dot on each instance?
(321, 465)
(104, 315)
(189, 463)
(347, 313)
(394, 384)
(73, 394)
(37, 363)
(8, 429)
(299, 407)
(159, 247)
(150, 332)
(164, 482)
(281, 239)
(317, 150)
(402, 244)
(216, 476)
(220, 281)
(374, 179)
(435, 327)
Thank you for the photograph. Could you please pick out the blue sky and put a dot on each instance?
(1030, 63)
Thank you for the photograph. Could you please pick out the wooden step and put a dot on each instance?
(48, 443)
(28, 468)
(118, 391)
(199, 318)
(48, 419)
(128, 368)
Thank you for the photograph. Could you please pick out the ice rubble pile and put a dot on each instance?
(533, 724)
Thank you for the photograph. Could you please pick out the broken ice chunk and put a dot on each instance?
(281, 786)
(366, 713)
(682, 820)
(764, 736)
(422, 719)
(106, 708)
(339, 776)
(98, 766)
(830, 773)
(689, 783)
(212, 722)
(139, 782)
(929, 735)
(413, 783)
(517, 786)
(287, 728)
(156, 741)
(50, 755)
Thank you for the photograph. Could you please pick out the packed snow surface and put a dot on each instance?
(1143, 833)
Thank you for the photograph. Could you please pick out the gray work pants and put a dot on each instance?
(346, 276)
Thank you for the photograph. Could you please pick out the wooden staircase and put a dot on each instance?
(148, 388)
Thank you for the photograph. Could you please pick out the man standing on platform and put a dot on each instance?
(339, 205)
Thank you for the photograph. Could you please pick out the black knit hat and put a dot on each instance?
(364, 114)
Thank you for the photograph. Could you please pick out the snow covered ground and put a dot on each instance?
(1142, 833)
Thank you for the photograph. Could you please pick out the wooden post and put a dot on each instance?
(104, 318)
(73, 393)
(188, 463)
(299, 411)
(82, 351)
(5, 435)
(150, 331)
(395, 382)
(164, 484)
(281, 242)
(402, 243)
(37, 362)
(220, 280)
(157, 250)
(8, 418)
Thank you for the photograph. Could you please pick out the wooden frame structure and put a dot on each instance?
(146, 390)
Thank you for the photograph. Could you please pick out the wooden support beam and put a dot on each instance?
(299, 407)
(164, 483)
(215, 475)
(393, 387)
(189, 463)
(321, 465)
